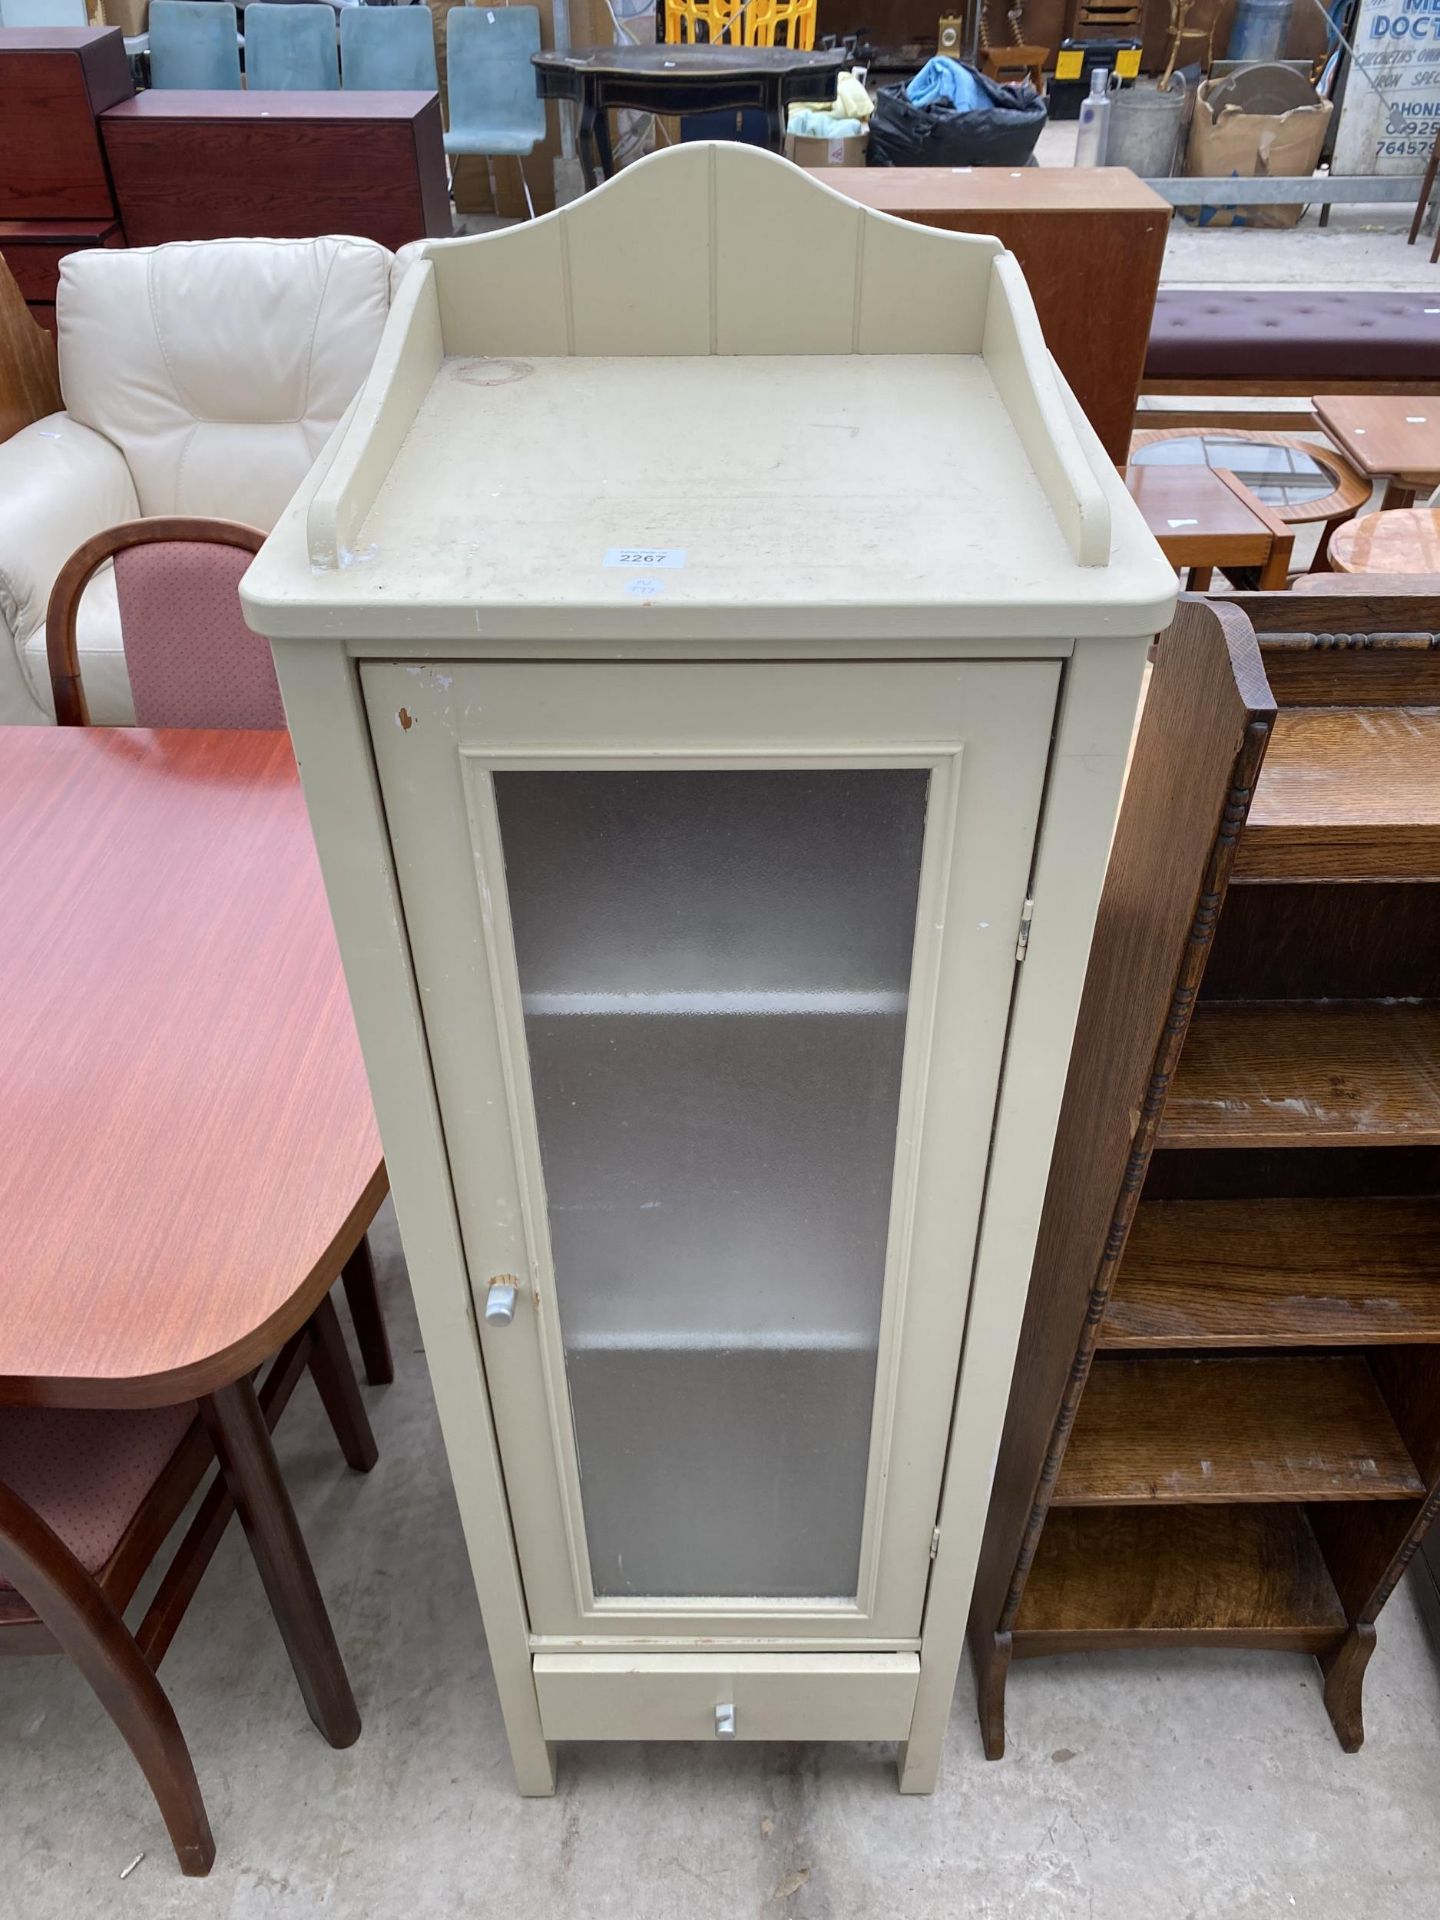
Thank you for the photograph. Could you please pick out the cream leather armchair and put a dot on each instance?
(199, 378)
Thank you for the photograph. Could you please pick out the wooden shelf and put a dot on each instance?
(1347, 793)
(1253, 1273)
(1226, 1576)
(1307, 1073)
(1158, 1430)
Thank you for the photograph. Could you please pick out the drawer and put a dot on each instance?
(776, 1696)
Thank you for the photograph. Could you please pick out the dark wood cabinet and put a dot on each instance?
(1224, 1427)
(1090, 240)
(286, 165)
(55, 189)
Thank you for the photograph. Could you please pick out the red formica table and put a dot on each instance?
(188, 1151)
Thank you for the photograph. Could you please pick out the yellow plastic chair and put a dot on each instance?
(748, 23)
(780, 23)
(696, 22)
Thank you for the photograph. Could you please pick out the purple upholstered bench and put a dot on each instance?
(1222, 341)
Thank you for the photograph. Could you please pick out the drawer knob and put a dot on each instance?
(725, 1721)
(500, 1298)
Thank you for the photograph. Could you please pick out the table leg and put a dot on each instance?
(774, 120)
(358, 1273)
(242, 1441)
(1395, 494)
(585, 139)
(1275, 574)
(602, 139)
(1321, 562)
(1427, 187)
(1200, 579)
(338, 1388)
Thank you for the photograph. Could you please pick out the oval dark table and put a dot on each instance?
(678, 79)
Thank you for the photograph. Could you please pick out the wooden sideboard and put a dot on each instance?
(55, 189)
(1090, 240)
(287, 165)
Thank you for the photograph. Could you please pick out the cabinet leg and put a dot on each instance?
(1344, 1671)
(991, 1654)
(534, 1766)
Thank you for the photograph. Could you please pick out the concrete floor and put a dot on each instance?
(1164, 1787)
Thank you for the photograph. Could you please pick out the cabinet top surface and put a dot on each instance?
(732, 488)
(912, 190)
(190, 104)
(822, 421)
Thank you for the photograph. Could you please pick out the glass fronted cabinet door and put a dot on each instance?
(715, 964)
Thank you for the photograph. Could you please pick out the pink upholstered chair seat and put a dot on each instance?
(191, 658)
(87, 1473)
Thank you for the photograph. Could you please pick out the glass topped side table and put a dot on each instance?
(1301, 480)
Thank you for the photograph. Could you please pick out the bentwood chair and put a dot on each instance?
(384, 48)
(192, 662)
(194, 44)
(87, 1498)
(291, 47)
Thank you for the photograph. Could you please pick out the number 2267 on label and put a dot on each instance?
(645, 557)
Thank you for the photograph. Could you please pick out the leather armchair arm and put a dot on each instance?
(60, 483)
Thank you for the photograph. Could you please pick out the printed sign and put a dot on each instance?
(1391, 111)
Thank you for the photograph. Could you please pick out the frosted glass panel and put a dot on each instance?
(714, 970)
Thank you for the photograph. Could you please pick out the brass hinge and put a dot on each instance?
(934, 1543)
(1022, 944)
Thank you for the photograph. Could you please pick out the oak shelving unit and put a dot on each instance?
(1224, 1427)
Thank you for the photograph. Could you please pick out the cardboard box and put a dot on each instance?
(1251, 144)
(809, 150)
(131, 16)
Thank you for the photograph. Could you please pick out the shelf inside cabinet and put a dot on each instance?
(1159, 1429)
(696, 1003)
(1240, 1576)
(712, 1174)
(1307, 1073)
(1278, 1272)
(1347, 793)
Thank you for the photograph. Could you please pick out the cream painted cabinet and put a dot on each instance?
(711, 644)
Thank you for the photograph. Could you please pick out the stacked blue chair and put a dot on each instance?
(194, 44)
(291, 48)
(43, 13)
(494, 108)
(388, 49)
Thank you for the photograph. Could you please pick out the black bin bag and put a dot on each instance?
(1000, 134)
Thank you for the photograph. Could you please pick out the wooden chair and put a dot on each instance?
(1009, 64)
(1183, 27)
(192, 662)
(87, 1498)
